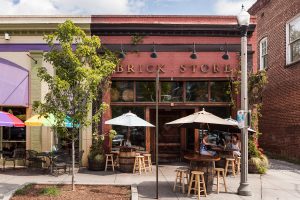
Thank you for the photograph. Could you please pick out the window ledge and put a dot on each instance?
(292, 64)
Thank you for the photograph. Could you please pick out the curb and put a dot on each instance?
(9, 194)
(134, 192)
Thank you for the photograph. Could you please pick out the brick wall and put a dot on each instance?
(280, 123)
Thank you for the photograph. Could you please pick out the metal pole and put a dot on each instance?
(156, 131)
(244, 189)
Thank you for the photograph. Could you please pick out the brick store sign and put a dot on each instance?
(178, 66)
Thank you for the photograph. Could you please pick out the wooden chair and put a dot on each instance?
(148, 162)
(182, 174)
(109, 161)
(197, 177)
(230, 163)
(139, 164)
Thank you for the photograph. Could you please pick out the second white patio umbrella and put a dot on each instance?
(204, 120)
(130, 120)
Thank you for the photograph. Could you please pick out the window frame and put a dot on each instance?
(288, 43)
(262, 64)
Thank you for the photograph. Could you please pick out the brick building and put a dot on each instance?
(278, 40)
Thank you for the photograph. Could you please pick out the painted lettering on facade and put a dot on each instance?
(201, 68)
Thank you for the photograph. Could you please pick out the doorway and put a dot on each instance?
(171, 140)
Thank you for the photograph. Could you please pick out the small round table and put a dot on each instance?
(203, 163)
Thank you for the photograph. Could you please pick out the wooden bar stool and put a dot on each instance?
(139, 164)
(148, 162)
(230, 163)
(220, 172)
(197, 177)
(238, 164)
(182, 174)
(109, 161)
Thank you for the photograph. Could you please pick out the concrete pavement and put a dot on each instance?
(281, 182)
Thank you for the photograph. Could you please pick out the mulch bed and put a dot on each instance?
(86, 192)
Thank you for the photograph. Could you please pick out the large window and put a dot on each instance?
(13, 137)
(293, 40)
(218, 91)
(171, 91)
(137, 134)
(145, 91)
(122, 91)
(197, 91)
(263, 45)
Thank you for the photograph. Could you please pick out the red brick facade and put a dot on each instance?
(280, 123)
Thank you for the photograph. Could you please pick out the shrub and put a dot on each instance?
(50, 191)
(23, 191)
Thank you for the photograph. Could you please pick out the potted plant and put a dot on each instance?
(96, 158)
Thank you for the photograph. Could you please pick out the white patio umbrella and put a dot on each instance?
(130, 120)
(204, 120)
(233, 121)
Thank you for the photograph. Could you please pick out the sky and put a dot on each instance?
(123, 7)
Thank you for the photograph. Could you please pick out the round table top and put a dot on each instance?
(221, 149)
(198, 158)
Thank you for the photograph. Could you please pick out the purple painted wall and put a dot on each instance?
(13, 84)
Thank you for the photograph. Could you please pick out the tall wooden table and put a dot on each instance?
(205, 164)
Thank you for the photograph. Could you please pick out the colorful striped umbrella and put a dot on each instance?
(38, 120)
(9, 120)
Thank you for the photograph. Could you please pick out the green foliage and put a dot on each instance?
(96, 149)
(79, 73)
(252, 149)
(50, 191)
(23, 191)
(261, 164)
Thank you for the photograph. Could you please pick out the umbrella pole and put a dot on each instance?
(156, 132)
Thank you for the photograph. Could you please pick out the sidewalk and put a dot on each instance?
(281, 182)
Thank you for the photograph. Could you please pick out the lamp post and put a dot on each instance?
(243, 19)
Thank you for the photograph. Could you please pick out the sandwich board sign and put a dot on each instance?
(241, 118)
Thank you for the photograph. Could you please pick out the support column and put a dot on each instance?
(148, 134)
(196, 137)
(35, 94)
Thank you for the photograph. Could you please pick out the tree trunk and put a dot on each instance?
(73, 160)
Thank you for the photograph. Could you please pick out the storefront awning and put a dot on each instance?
(13, 84)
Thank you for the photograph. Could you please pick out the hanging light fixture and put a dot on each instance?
(153, 54)
(194, 54)
(122, 54)
(226, 56)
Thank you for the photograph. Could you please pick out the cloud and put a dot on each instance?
(70, 7)
(231, 7)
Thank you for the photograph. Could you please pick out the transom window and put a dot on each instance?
(263, 46)
(293, 40)
(170, 91)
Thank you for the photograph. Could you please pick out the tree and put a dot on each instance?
(79, 72)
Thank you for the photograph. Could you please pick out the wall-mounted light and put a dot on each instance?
(153, 54)
(226, 56)
(194, 54)
(6, 36)
(122, 54)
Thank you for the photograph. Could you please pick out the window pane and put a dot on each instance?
(145, 91)
(264, 48)
(171, 91)
(295, 51)
(295, 30)
(197, 91)
(218, 91)
(264, 61)
(137, 134)
(121, 91)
